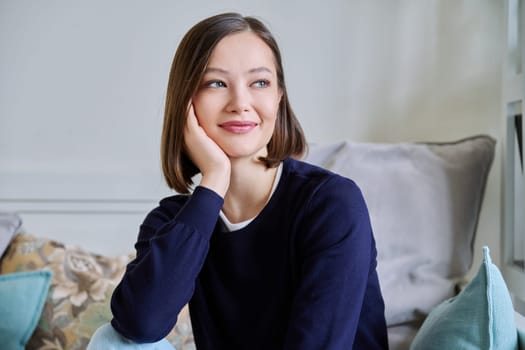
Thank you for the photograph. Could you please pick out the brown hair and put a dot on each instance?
(186, 73)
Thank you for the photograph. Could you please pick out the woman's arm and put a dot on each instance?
(172, 246)
(214, 165)
(338, 302)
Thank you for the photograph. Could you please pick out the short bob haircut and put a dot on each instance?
(187, 69)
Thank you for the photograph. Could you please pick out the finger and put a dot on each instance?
(192, 118)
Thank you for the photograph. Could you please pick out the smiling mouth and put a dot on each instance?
(238, 127)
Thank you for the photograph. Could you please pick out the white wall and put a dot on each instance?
(82, 83)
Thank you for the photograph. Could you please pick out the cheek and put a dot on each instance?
(269, 109)
(269, 119)
(202, 109)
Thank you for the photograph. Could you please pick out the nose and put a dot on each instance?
(239, 100)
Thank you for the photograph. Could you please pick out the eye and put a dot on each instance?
(261, 83)
(215, 84)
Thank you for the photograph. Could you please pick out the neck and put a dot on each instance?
(250, 188)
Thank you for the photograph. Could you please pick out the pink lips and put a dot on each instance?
(238, 127)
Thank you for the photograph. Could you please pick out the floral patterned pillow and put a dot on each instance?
(80, 292)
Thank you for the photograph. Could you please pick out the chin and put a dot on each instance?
(254, 154)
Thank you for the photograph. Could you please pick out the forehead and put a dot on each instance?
(244, 50)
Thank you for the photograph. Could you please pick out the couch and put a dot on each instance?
(424, 201)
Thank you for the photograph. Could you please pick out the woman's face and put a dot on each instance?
(238, 98)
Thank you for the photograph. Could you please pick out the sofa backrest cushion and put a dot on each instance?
(9, 225)
(424, 201)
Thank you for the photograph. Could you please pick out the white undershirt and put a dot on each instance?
(237, 226)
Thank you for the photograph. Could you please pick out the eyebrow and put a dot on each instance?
(251, 71)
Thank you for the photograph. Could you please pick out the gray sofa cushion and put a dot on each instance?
(9, 225)
(424, 201)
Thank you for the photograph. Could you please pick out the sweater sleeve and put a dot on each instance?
(337, 303)
(172, 245)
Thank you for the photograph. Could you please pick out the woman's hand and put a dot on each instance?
(211, 160)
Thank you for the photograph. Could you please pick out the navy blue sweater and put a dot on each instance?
(302, 275)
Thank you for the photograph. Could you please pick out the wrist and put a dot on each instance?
(217, 181)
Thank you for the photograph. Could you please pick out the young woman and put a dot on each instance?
(270, 252)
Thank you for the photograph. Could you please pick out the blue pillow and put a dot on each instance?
(480, 317)
(22, 298)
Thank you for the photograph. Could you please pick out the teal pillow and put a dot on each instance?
(480, 317)
(22, 297)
